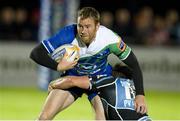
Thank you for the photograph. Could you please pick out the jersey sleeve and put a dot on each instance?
(119, 48)
(63, 36)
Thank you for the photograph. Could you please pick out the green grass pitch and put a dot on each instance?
(25, 104)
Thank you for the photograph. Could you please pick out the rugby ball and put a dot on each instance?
(72, 52)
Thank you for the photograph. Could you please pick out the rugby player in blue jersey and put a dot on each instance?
(96, 42)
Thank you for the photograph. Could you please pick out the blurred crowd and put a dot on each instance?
(143, 27)
(18, 24)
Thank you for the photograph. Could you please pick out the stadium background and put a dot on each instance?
(150, 27)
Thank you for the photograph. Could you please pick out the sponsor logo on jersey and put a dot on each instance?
(86, 66)
(122, 46)
(59, 54)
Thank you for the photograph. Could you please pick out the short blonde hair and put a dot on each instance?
(89, 12)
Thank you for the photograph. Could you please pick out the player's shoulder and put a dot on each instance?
(107, 34)
(66, 34)
(104, 29)
(72, 29)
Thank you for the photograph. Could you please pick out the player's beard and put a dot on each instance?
(87, 39)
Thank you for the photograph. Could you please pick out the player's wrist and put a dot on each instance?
(90, 84)
(140, 92)
(60, 68)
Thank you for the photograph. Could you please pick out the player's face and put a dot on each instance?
(87, 29)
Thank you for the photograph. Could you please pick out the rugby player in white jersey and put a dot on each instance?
(96, 42)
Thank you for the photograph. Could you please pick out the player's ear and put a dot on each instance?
(97, 26)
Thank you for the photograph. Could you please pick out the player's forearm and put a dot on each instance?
(84, 82)
(81, 82)
(71, 81)
(40, 56)
(61, 83)
(137, 77)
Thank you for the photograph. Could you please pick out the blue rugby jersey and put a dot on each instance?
(93, 59)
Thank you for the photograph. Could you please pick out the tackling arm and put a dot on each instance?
(70, 81)
(137, 77)
(91, 83)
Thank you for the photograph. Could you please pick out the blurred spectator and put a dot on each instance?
(107, 19)
(19, 20)
(35, 18)
(7, 28)
(142, 25)
(173, 26)
(23, 31)
(122, 24)
(159, 35)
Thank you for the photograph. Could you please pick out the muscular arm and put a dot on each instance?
(70, 81)
(125, 53)
(91, 83)
(140, 105)
(137, 77)
(40, 56)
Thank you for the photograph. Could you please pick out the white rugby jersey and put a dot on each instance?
(93, 59)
